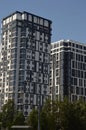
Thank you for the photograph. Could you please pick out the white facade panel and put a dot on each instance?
(14, 16)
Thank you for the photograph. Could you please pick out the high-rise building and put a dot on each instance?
(25, 60)
(68, 70)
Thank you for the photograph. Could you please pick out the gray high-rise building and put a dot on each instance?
(25, 60)
(68, 70)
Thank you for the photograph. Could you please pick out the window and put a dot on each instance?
(73, 64)
(77, 57)
(81, 91)
(26, 101)
(85, 75)
(25, 113)
(77, 90)
(80, 82)
(84, 48)
(76, 46)
(81, 58)
(57, 80)
(81, 74)
(57, 73)
(73, 44)
(73, 72)
(56, 89)
(75, 81)
(26, 106)
(84, 58)
(65, 43)
(84, 83)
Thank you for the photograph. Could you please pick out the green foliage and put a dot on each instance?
(7, 114)
(32, 119)
(48, 119)
(60, 115)
(10, 116)
(19, 119)
(72, 115)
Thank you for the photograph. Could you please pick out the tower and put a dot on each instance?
(25, 54)
(68, 70)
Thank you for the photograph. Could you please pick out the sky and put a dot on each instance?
(68, 16)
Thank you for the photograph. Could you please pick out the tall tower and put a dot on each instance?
(68, 70)
(25, 57)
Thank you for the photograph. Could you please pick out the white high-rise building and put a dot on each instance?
(68, 70)
(25, 59)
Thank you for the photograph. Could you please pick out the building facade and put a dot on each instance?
(25, 60)
(68, 70)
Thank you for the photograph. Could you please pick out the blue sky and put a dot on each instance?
(68, 16)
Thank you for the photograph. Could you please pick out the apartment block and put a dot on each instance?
(25, 60)
(68, 70)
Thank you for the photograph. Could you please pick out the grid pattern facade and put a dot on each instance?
(68, 70)
(25, 60)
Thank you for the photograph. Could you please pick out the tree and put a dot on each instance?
(72, 115)
(0, 119)
(49, 116)
(45, 115)
(60, 115)
(8, 112)
(32, 119)
(19, 119)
